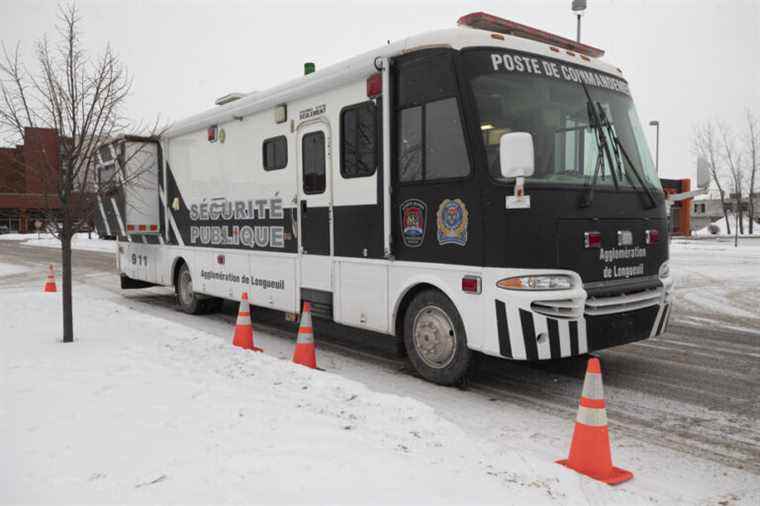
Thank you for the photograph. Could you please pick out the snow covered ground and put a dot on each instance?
(722, 228)
(143, 410)
(12, 269)
(150, 405)
(80, 241)
(715, 281)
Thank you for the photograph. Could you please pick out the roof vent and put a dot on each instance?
(229, 97)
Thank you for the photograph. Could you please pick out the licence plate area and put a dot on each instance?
(616, 329)
(621, 254)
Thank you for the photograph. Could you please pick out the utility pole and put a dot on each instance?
(656, 124)
(578, 7)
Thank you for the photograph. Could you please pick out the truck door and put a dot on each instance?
(436, 198)
(315, 205)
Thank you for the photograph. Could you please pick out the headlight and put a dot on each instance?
(543, 282)
(664, 270)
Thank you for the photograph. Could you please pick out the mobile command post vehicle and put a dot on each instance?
(482, 188)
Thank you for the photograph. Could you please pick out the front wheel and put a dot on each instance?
(435, 338)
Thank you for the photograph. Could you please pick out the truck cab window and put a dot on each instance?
(313, 151)
(275, 153)
(358, 148)
(431, 142)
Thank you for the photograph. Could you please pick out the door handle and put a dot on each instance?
(303, 207)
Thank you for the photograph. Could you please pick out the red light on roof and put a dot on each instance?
(142, 228)
(153, 228)
(130, 227)
(374, 85)
(484, 21)
(592, 240)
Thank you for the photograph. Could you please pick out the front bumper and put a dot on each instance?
(550, 325)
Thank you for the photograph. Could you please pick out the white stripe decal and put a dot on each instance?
(118, 219)
(103, 215)
(657, 321)
(582, 339)
(564, 337)
(515, 332)
(592, 386)
(592, 416)
(176, 229)
(544, 348)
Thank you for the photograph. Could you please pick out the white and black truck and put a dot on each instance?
(482, 188)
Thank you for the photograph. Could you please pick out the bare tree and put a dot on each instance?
(733, 160)
(706, 144)
(752, 142)
(82, 99)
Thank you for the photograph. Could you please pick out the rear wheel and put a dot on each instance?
(189, 301)
(435, 339)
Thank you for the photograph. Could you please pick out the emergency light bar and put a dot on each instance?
(483, 21)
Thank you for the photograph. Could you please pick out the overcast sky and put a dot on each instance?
(686, 61)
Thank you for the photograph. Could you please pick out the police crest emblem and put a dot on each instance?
(453, 220)
(413, 213)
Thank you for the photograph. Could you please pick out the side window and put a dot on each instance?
(275, 153)
(313, 151)
(410, 145)
(431, 142)
(358, 149)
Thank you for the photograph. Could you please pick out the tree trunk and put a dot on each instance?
(725, 212)
(68, 318)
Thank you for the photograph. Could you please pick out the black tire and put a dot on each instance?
(187, 300)
(439, 352)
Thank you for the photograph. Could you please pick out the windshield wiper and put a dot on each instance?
(603, 150)
(618, 148)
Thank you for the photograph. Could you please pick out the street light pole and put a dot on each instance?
(656, 124)
(578, 7)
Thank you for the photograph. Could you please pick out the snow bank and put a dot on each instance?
(723, 228)
(140, 409)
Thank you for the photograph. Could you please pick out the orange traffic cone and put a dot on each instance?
(590, 448)
(243, 327)
(304, 353)
(50, 283)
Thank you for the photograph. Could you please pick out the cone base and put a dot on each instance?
(305, 355)
(50, 290)
(614, 477)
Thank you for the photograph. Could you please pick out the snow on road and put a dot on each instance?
(80, 241)
(716, 281)
(12, 269)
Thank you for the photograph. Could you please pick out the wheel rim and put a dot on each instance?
(186, 288)
(435, 339)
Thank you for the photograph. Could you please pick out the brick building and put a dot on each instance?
(25, 170)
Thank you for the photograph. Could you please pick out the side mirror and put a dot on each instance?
(516, 154)
(703, 173)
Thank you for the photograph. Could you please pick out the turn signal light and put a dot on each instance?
(374, 85)
(592, 240)
(652, 236)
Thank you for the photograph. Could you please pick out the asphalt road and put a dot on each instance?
(695, 389)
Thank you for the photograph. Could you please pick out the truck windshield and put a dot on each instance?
(547, 100)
